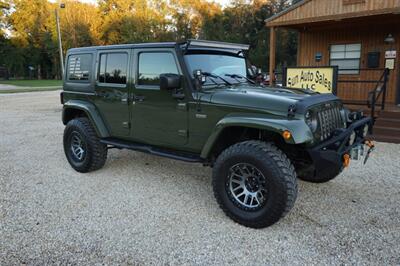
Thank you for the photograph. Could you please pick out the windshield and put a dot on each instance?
(218, 65)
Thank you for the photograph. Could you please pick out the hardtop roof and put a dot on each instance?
(125, 46)
(195, 44)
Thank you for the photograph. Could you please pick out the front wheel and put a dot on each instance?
(254, 183)
(82, 147)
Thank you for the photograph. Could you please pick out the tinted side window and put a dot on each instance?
(79, 67)
(151, 65)
(113, 68)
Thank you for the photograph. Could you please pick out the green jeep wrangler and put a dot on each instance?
(198, 101)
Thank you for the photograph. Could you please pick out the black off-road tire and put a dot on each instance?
(96, 152)
(278, 171)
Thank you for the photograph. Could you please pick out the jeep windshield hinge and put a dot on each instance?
(126, 124)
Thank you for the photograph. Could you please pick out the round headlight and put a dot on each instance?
(311, 121)
(365, 130)
(352, 138)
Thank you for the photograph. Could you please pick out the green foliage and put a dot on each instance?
(243, 22)
(32, 36)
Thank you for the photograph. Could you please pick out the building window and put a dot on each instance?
(346, 57)
(79, 67)
(151, 65)
(113, 68)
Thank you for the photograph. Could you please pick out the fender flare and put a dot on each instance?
(301, 133)
(91, 112)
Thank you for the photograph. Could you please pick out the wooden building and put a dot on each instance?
(345, 33)
(361, 37)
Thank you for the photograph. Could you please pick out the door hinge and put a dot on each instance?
(126, 124)
(182, 106)
(182, 132)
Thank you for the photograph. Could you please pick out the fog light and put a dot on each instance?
(365, 130)
(352, 138)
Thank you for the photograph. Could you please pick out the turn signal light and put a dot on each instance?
(286, 134)
(346, 160)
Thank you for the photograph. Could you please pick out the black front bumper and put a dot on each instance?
(327, 156)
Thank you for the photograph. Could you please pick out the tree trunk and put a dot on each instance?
(39, 72)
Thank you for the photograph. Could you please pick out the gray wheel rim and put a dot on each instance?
(78, 146)
(247, 186)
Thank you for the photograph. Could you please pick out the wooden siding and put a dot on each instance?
(310, 11)
(371, 37)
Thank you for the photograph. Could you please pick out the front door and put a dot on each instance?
(156, 116)
(112, 90)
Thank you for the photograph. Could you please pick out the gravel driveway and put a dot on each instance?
(141, 209)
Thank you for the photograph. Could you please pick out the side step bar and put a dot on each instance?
(182, 156)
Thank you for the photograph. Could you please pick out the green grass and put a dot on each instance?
(33, 83)
(29, 90)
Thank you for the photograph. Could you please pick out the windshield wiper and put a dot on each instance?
(236, 76)
(208, 74)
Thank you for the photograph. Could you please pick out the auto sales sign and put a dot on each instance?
(319, 79)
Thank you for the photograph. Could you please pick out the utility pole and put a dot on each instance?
(60, 5)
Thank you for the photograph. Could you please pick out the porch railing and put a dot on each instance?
(375, 97)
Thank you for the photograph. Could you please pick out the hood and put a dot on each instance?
(271, 98)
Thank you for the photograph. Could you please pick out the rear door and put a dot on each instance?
(157, 117)
(112, 90)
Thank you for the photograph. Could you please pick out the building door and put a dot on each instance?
(156, 117)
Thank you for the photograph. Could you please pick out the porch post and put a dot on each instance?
(272, 48)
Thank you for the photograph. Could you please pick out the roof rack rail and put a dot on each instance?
(214, 44)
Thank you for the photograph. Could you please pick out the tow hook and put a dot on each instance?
(371, 148)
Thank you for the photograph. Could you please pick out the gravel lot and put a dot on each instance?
(141, 209)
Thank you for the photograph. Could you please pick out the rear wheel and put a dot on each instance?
(82, 147)
(254, 183)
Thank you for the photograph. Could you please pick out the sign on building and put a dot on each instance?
(390, 54)
(319, 79)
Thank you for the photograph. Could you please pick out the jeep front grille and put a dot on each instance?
(329, 119)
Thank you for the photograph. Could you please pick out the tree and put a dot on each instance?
(4, 8)
(127, 21)
(28, 34)
(188, 17)
(80, 25)
(32, 25)
(244, 22)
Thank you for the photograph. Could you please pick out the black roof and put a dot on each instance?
(125, 46)
(184, 45)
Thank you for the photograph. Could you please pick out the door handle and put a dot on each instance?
(138, 98)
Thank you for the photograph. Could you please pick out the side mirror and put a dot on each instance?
(169, 81)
